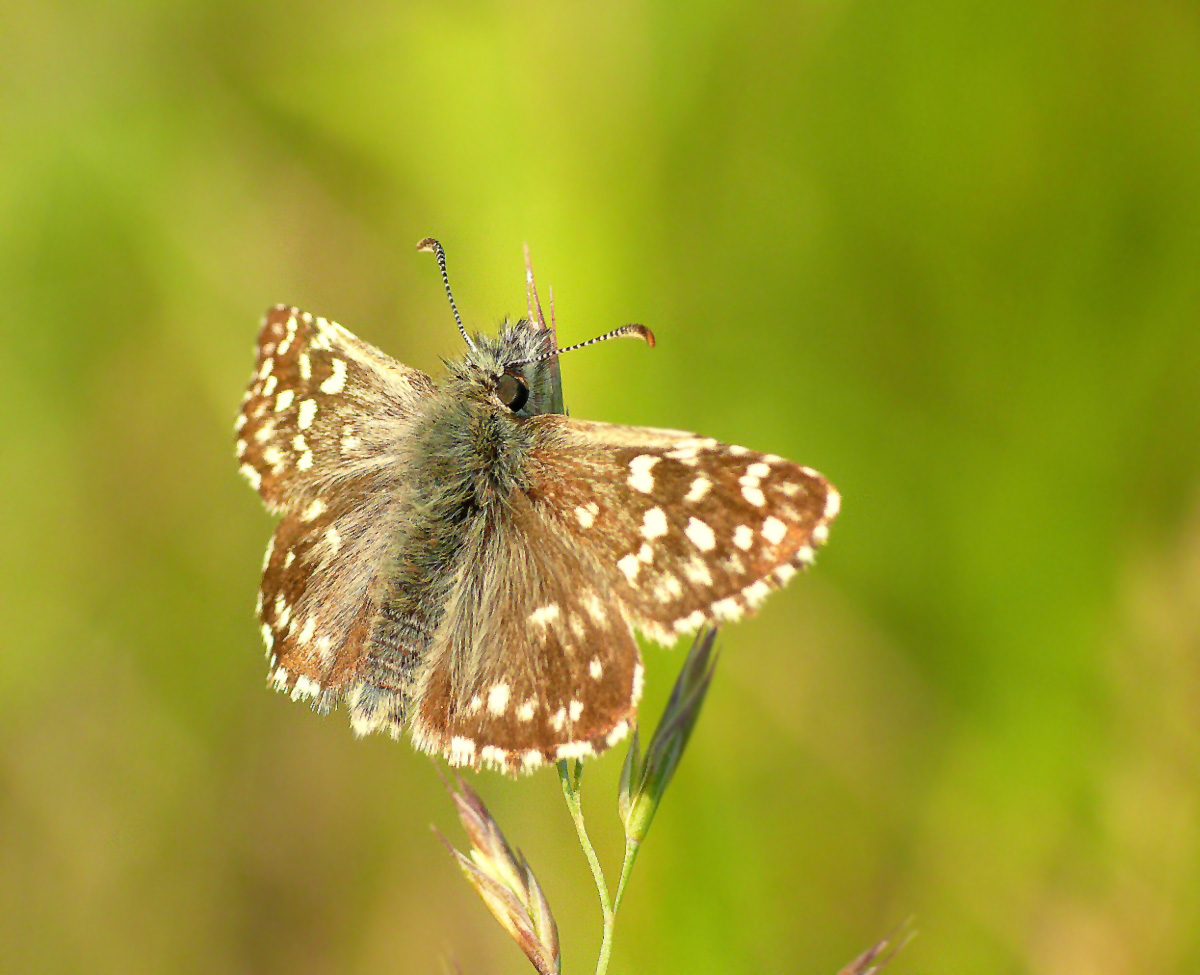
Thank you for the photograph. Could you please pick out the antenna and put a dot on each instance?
(633, 331)
(429, 244)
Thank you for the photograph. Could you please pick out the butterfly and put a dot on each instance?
(465, 559)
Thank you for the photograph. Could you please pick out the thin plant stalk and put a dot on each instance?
(608, 908)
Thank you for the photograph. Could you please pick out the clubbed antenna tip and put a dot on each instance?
(631, 331)
(431, 244)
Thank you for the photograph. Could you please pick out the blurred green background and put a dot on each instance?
(947, 253)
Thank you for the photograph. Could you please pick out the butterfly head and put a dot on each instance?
(518, 369)
(514, 369)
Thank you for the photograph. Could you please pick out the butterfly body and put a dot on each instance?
(464, 559)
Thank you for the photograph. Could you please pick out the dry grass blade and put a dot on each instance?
(503, 879)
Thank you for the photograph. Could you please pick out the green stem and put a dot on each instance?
(631, 852)
(570, 787)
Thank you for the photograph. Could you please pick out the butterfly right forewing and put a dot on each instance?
(698, 530)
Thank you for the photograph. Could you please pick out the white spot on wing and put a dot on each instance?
(574, 749)
(274, 456)
(754, 495)
(667, 588)
(629, 565)
(525, 711)
(305, 687)
(756, 592)
(654, 524)
(284, 400)
(620, 730)
(700, 535)
(698, 489)
(640, 476)
(697, 571)
(544, 615)
(743, 537)
(586, 513)
(337, 381)
(595, 668)
(461, 751)
(727, 609)
(306, 414)
(639, 680)
(494, 756)
(774, 530)
(595, 607)
(576, 710)
(333, 539)
(313, 511)
(833, 504)
(497, 699)
(251, 475)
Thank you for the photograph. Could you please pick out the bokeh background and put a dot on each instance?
(948, 253)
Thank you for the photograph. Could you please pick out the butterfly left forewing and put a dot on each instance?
(322, 408)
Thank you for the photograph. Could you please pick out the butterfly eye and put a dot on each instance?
(512, 391)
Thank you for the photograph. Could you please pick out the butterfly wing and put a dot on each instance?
(319, 436)
(621, 527)
(699, 531)
(532, 661)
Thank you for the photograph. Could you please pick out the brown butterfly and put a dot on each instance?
(464, 558)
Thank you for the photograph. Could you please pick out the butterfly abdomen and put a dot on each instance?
(464, 463)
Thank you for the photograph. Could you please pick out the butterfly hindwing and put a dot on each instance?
(533, 661)
(317, 600)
